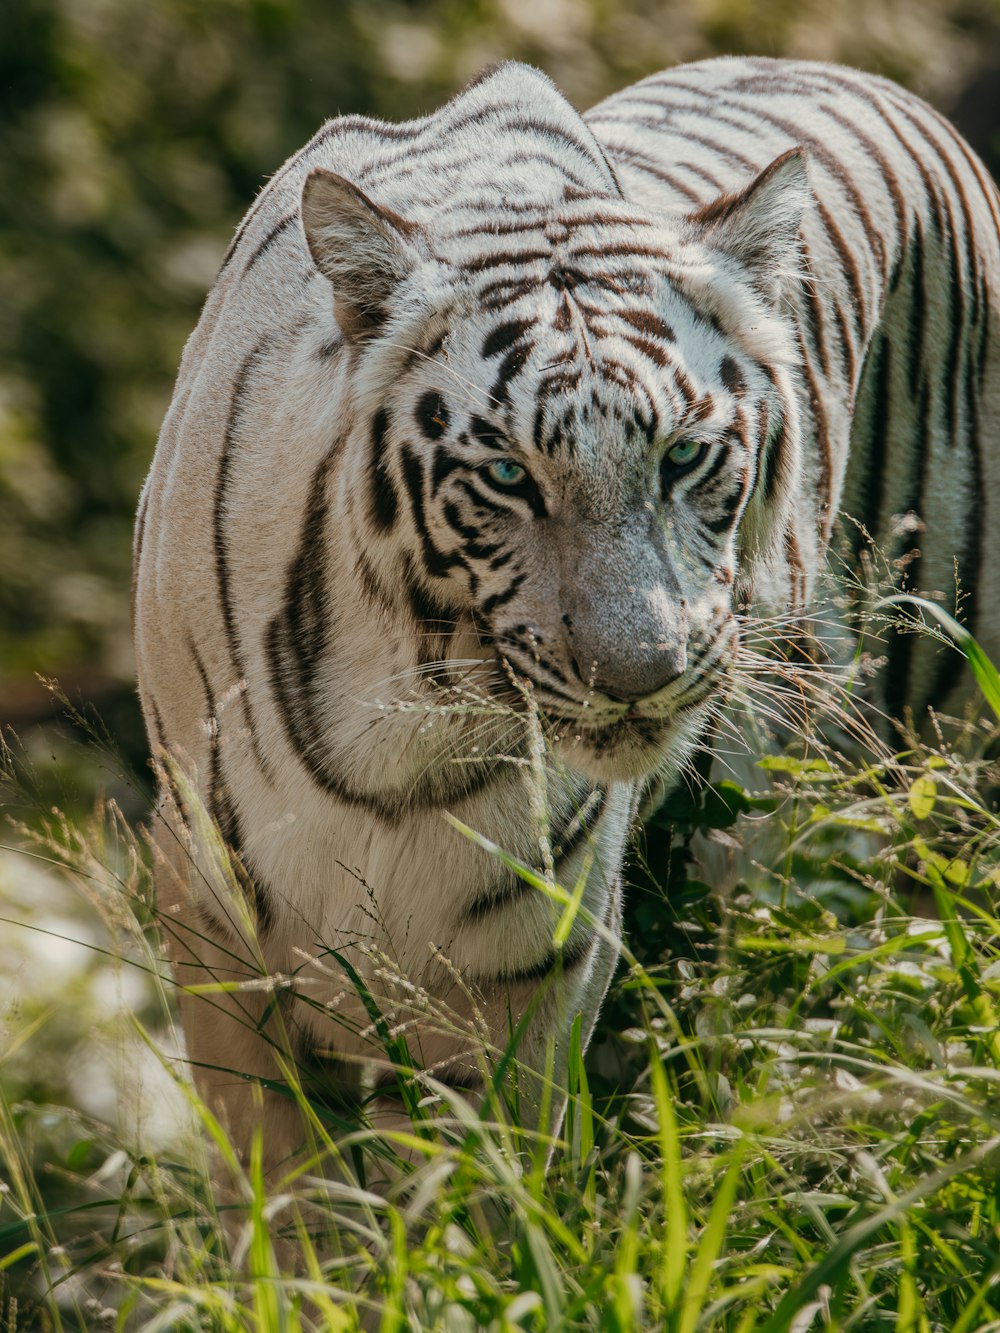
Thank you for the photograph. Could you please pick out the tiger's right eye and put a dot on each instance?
(509, 478)
(505, 472)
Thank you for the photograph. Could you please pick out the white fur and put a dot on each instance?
(394, 222)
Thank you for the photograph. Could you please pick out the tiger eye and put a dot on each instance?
(679, 459)
(505, 472)
(685, 453)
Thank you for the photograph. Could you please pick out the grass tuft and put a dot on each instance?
(789, 1117)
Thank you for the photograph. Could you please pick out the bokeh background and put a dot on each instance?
(133, 136)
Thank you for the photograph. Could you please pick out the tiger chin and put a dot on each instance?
(649, 740)
(630, 749)
(486, 419)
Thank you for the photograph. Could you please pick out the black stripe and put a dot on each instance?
(453, 1075)
(497, 898)
(423, 609)
(872, 416)
(652, 351)
(491, 437)
(222, 810)
(269, 240)
(508, 370)
(300, 712)
(648, 323)
(161, 766)
(580, 827)
(502, 292)
(306, 613)
(432, 415)
(482, 504)
(519, 642)
(474, 549)
(383, 504)
(900, 646)
(814, 310)
(505, 336)
(555, 962)
(499, 599)
(821, 435)
(523, 662)
(772, 460)
(504, 259)
(158, 731)
(220, 499)
(917, 312)
(221, 495)
(983, 341)
(727, 518)
(951, 665)
(443, 466)
(371, 584)
(851, 272)
(436, 563)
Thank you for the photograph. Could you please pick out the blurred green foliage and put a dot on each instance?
(133, 137)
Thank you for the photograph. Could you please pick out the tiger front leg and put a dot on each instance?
(245, 1055)
(451, 1048)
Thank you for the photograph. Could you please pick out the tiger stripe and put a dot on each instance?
(495, 425)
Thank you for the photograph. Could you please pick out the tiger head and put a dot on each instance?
(578, 430)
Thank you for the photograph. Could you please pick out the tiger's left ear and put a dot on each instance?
(364, 249)
(759, 225)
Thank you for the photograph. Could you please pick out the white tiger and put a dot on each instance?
(486, 419)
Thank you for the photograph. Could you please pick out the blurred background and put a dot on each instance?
(133, 136)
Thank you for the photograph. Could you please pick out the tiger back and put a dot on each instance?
(494, 425)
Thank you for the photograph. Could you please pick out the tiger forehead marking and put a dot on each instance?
(497, 428)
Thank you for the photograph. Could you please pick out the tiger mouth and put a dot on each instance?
(628, 728)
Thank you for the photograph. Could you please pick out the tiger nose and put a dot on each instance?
(636, 672)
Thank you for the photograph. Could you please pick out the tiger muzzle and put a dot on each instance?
(626, 628)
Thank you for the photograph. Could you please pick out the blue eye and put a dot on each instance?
(679, 459)
(685, 453)
(505, 472)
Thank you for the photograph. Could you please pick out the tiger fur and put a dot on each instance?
(490, 424)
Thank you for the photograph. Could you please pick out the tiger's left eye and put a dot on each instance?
(505, 472)
(679, 459)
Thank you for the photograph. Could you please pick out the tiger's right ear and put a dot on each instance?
(364, 249)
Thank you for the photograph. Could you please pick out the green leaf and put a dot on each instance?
(922, 796)
(78, 1154)
(986, 674)
(711, 1244)
(824, 945)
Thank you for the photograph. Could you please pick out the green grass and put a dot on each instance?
(789, 1118)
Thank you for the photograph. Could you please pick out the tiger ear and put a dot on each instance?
(759, 225)
(364, 249)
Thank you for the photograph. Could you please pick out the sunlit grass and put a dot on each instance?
(789, 1118)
